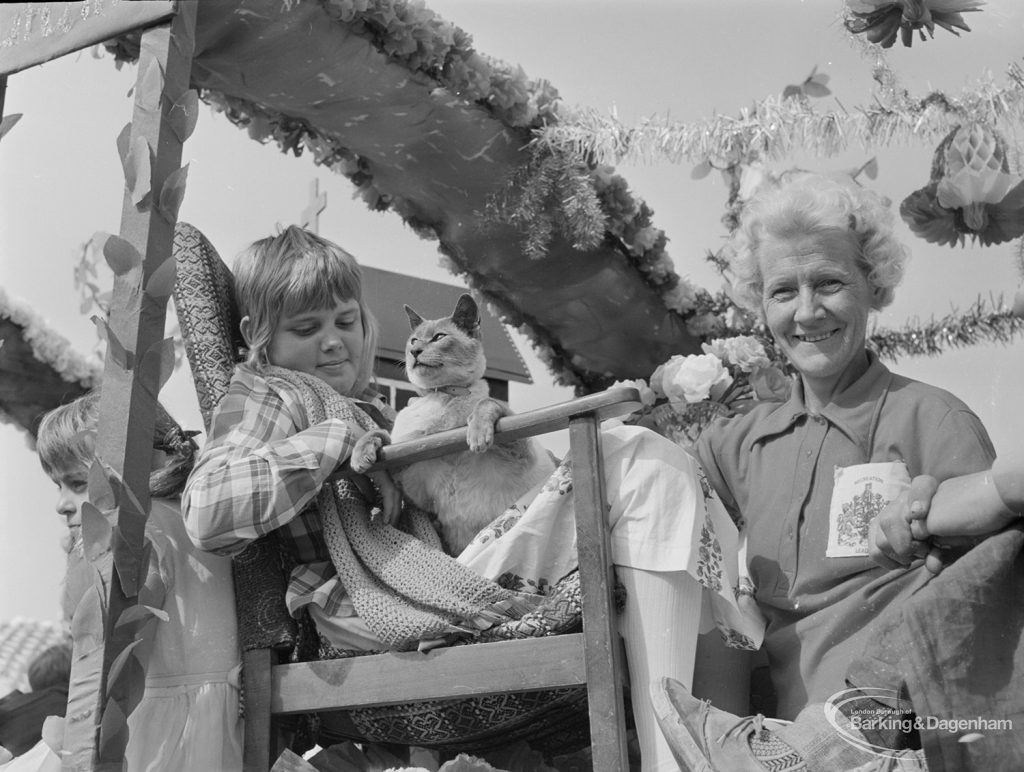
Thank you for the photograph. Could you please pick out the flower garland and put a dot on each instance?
(49, 346)
(774, 127)
(422, 41)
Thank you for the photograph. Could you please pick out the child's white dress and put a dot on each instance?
(188, 718)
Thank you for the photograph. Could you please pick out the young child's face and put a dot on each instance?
(327, 343)
(73, 485)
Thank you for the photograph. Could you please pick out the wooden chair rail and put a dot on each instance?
(395, 678)
(606, 404)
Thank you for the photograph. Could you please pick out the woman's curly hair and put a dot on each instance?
(803, 203)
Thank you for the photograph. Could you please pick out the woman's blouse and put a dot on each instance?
(260, 470)
(775, 468)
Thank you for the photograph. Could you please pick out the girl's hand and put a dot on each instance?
(372, 484)
(391, 496)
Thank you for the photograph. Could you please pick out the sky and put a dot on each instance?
(61, 181)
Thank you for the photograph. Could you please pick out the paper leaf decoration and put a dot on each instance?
(701, 170)
(101, 492)
(96, 532)
(153, 592)
(183, 114)
(124, 358)
(159, 358)
(123, 141)
(128, 559)
(138, 166)
(161, 281)
(289, 761)
(120, 254)
(53, 733)
(118, 666)
(87, 624)
(8, 123)
(814, 85)
(113, 728)
(141, 613)
(150, 86)
(172, 193)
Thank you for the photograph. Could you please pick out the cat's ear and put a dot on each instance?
(415, 320)
(466, 316)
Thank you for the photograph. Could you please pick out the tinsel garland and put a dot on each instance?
(979, 324)
(775, 127)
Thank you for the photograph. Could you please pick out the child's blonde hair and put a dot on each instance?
(66, 439)
(293, 272)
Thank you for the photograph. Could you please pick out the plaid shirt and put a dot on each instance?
(260, 470)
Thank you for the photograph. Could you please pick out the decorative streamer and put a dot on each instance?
(775, 127)
(978, 324)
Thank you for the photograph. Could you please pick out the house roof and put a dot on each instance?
(387, 293)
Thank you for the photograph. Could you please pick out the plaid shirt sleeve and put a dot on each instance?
(260, 465)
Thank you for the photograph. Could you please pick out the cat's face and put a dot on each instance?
(446, 351)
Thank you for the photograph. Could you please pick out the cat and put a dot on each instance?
(445, 362)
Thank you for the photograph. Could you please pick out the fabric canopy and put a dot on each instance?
(328, 74)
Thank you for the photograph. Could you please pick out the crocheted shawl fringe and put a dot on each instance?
(403, 586)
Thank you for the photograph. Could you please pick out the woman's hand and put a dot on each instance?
(900, 535)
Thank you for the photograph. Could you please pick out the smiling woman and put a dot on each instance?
(816, 305)
(814, 257)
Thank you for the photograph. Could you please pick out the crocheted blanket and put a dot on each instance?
(400, 581)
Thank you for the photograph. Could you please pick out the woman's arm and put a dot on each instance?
(260, 467)
(969, 506)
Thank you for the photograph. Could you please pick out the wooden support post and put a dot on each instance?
(135, 368)
(603, 647)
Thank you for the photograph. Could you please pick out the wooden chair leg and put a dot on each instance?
(260, 746)
(604, 659)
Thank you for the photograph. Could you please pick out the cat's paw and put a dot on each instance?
(479, 435)
(366, 450)
(480, 427)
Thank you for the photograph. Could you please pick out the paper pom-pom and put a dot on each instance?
(881, 20)
(971, 192)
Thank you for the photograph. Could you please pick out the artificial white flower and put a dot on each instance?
(693, 378)
(742, 351)
(647, 395)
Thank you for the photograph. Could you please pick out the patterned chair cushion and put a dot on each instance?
(204, 299)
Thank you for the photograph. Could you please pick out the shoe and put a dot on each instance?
(704, 738)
